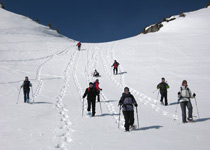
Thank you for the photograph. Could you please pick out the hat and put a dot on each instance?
(90, 83)
(126, 88)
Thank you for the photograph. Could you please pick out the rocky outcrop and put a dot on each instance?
(182, 14)
(156, 27)
(208, 5)
(2, 5)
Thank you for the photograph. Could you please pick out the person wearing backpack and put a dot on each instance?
(184, 99)
(115, 67)
(96, 85)
(127, 101)
(91, 94)
(163, 86)
(26, 89)
(79, 45)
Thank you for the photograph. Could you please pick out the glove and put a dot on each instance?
(194, 95)
(179, 93)
(120, 103)
(136, 105)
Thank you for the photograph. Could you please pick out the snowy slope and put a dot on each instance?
(59, 74)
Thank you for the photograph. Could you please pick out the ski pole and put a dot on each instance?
(100, 104)
(137, 116)
(18, 96)
(32, 93)
(157, 96)
(154, 91)
(197, 108)
(82, 106)
(119, 117)
(100, 107)
(176, 111)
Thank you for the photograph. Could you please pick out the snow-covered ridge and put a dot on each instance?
(156, 27)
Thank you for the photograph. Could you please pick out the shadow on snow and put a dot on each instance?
(202, 119)
(106, 114)
(109, 101)
(174, 103)
(41, 103)
(122, 73)
(149, 128)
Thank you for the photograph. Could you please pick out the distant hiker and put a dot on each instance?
(115, 65)
(184, 99)
(26, 89)
(96, 85)
(126, 102)
(163, 86)
(79, 45)
(96, 73)
(91, 94)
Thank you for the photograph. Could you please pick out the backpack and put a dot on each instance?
(185, 92)
(94, 85)
(26, 85)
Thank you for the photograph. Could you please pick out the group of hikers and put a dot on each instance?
(127, 101)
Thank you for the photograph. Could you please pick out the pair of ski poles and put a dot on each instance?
(19, 95)
(196, 108)
(120, 115)
(83, 101)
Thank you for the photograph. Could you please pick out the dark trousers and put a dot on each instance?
(190, 110)
(164, 95)
(129, 119)
(96, 75)
(92, 102)
(79, 47)
(115, 70)
(26, 95)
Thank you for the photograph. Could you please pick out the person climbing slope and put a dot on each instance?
(26, 89)
(91, 93)
(127, 101)
(115, 67)
(96, 85)
(79, 45)
(185, 96)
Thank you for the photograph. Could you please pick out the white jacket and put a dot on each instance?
(186, 94)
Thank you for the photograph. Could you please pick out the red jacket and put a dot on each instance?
(115, 65)
(79, 44)
(97, 85)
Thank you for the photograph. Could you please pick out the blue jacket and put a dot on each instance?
(127, 101)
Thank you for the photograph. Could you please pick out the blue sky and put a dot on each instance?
(101, 20)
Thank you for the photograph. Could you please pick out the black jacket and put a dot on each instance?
(26, 85)
(163, 87)
(91, 93)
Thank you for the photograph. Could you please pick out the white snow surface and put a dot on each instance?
(60, 74)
